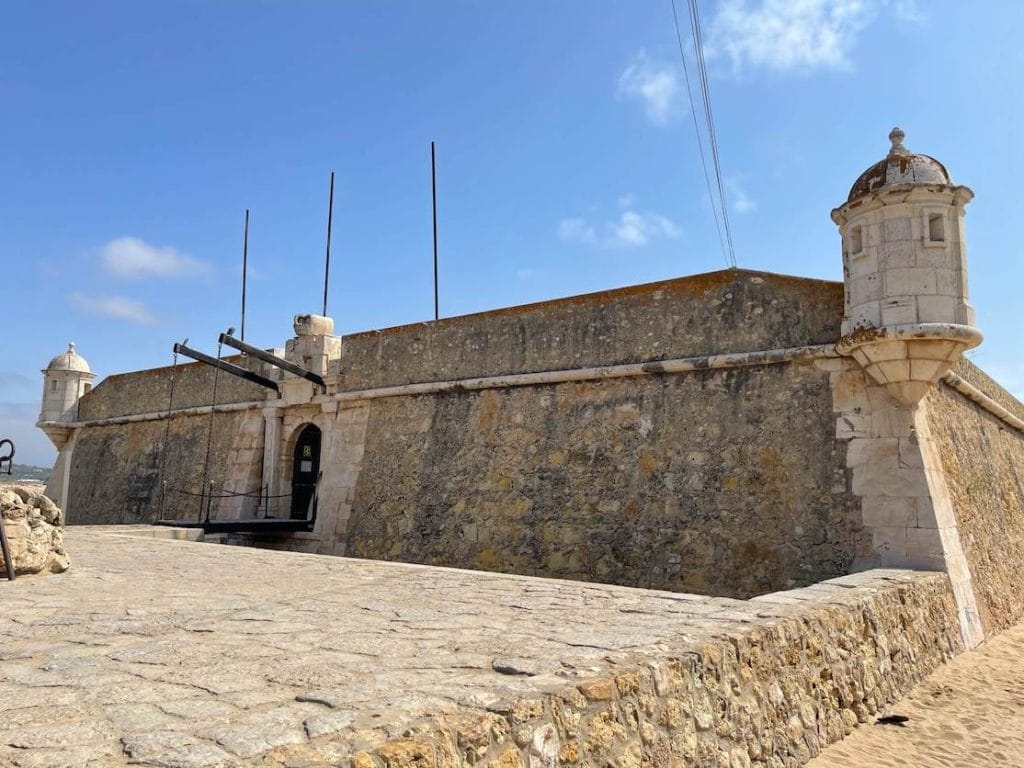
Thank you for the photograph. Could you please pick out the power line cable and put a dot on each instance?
(698, 46)
(696, 128)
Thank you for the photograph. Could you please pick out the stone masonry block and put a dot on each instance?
(896, 255)
(909, 453)
(863, 264)
(860, 450)
(852, 425)
(894, 370)
(885, 350)
(912, 281)
(932, 349)
(924, 541)
(881, 474)
(867, 315)
(864, 289)
(936, 309)
(938, 258)
(948, 282)
(890, 421)
(890, 542)
(888, 511)
(899, 310)
(896, 229)
(926, 513)
(849, 393)
(927, 370)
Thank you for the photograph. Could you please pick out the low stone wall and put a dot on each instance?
(725, 482)
(34, 528)
(983, 464)
(817, 662)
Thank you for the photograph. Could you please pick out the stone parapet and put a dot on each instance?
(771, 691)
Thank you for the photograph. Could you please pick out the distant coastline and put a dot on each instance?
(22, 473)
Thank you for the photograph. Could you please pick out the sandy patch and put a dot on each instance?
(969, 713)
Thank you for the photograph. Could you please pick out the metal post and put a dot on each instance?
(245, 267)
(327, 263)
(5, 547)
(433, 194)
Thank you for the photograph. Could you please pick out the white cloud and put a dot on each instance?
(654, 84)
(741, 201)
(115, 306)
(630, 230)
(135, 258)
(576, 230)
(791, 35)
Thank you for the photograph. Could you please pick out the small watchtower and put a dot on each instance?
(65, 380)
(906, 316)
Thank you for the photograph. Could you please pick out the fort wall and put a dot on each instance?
(149, 391)
(712, 482)
(983, 465)
(116, 469)
(700, 315)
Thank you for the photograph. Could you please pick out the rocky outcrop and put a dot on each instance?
(34, 526)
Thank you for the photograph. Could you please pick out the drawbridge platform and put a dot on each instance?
(257, 525)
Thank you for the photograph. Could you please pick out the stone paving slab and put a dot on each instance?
(167, 653)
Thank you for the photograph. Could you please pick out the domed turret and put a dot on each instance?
(900, 166)
(905, 271)
(69, 361)
(65, 380)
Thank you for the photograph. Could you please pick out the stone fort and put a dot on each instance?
(730, 434)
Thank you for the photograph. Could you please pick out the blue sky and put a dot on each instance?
(134, 135)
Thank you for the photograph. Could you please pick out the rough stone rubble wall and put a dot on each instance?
(772, 694)
(725, 482)
(982, 461)
(149, 391)
(719, 312)
(116, 468)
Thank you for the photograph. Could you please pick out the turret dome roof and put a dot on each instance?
(69, 361)
(900, 166)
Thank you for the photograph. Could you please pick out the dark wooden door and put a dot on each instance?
(305, 471)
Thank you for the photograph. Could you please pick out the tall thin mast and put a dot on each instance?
(433, 193)
(327, 263)
(245, 266)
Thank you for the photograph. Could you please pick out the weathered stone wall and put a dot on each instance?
(728, 311)
(148, 391)
(983, 463)
(725, 482)
(770, 695)
(116, 468)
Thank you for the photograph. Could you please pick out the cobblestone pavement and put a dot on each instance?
(167, 653)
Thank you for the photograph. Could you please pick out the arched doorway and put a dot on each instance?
(305, 471)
